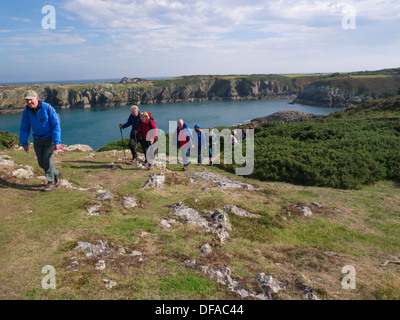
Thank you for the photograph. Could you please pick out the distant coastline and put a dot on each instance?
(339, 90)
(82, 81)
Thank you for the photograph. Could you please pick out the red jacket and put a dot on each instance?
(144, 128)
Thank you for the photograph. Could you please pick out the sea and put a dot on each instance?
(98, 126)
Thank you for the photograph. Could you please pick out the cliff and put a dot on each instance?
(140, 91)
(328, 90)
(345, 91)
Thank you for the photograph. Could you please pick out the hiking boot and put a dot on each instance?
(151, 166)
(58, 179)
(50, 187)
(185, 168)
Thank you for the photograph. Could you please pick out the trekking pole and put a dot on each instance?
(122, 137)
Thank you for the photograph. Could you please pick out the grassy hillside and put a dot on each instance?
(358, 228)
(346, 149)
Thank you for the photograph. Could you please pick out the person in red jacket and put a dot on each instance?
(148, 132)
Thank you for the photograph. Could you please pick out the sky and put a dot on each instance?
(101, 39)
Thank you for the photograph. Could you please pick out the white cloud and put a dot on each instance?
(175, 37)
(42, 39)
(20, 19)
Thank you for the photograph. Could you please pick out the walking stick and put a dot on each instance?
(122, 137)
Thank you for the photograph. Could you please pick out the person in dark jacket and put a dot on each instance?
(212, 144)
(148, 136)
(42, 119)
(183, 140)
(134, 121)
(200, 142)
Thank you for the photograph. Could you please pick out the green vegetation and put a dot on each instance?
(346, 150)
(359, 227)
(8, 140)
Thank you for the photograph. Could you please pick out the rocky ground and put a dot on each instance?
(290, 116)
(114, 230)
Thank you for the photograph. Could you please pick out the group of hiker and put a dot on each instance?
(142, 124)
(42, 119)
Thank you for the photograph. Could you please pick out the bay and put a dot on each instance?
(98, 126)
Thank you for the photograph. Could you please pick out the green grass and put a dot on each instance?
(361, 226)
(294, 75)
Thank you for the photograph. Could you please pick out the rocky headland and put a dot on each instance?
(337, 90)
(290, 116)
(341, 92)
(141, 91)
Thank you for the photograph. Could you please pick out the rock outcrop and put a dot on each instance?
(329, 96)
(290, 116)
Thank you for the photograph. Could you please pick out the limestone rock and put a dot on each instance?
(190, 262)
(268, 284)
(224, 277)
(165, 224)
(192, 216)
(310, 295)
(306, 211)
(6, 161)
(316, 204)
(94, 210)
(23, 173)
(110, 283)
(89, 249)
(68, 185)
(100, 265)
(205, 249)
(155, 181)
(239, 212)
(130, 202)
(78, 147)
(222, 181)
(104, 195)
(219, 221)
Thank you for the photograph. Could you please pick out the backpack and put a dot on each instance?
(152, 119)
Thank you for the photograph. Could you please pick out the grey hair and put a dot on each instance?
(134, 108)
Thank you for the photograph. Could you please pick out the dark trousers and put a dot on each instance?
(145, 146)
(44, 150)
(132, 145)
(199, 155)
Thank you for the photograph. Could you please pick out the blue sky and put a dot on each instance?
(157, 38)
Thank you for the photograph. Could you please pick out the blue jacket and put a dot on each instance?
(44, 125)
(201, 138)
(134, 122)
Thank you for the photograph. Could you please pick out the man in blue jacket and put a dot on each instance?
(42, 119)
(134, 121)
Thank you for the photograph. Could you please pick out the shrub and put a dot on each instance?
(345, 151)
(8, 140)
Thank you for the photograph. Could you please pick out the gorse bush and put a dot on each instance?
(344, 150)
(8, 140)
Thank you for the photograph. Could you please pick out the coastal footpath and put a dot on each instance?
(328, 90)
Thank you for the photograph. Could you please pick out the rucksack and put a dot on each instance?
(152, 119)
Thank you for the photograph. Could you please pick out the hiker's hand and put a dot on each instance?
(26, 148)
(121, 126)
(58, 146)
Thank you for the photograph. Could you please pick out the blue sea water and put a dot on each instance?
(98, 126)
